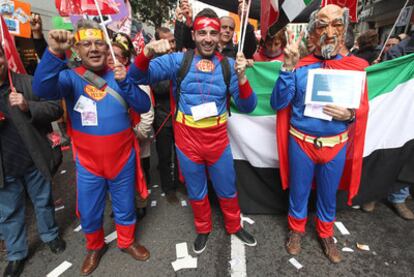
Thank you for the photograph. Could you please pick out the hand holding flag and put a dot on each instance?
(17, 100)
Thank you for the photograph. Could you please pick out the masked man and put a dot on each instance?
(200, 100)
(104, 145)
(312, 149)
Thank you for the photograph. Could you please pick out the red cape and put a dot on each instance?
(353, 165)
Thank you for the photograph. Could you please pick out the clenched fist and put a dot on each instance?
(157, 47)
(59, 41)
(17, 100)
(119, 71)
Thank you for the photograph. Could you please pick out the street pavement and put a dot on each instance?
(390, 239)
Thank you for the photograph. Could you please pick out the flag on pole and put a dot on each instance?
(269, 14)
(293, 8)
(352, 5)
(78, 7)
(13, 58)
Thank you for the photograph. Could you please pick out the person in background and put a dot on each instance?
(271, 48)
(368, 46)
(28, 161)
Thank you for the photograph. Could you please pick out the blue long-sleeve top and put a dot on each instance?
(290, 88)
(197, 87)
(53, 80)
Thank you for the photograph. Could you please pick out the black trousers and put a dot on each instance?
(167, 165)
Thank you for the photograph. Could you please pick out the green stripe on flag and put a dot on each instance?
(262, 78)
(386, 76)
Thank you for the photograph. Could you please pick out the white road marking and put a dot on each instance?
(60, 269)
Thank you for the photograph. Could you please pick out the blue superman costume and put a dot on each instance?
(106, 155)
(303, 163)
(202, 145)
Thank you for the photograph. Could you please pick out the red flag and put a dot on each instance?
(352, 5)
(79, 7)
(10, 51)
(269, 14)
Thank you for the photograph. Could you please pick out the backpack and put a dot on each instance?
(185, 68)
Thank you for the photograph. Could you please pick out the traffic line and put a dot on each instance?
(60, 269)
(238, 258)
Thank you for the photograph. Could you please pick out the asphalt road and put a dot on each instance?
(391, 242)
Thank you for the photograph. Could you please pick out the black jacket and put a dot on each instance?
(34, 126)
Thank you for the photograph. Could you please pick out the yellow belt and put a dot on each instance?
(188, 120)
(320, 141)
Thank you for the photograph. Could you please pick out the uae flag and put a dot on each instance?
(389, 143)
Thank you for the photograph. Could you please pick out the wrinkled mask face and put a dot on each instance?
(329, 31)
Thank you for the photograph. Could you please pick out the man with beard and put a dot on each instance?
(200, 101)
(311, 149)
(105, 147)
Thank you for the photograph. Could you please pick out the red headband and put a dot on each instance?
(203, 22)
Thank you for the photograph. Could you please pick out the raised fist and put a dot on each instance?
(36, 25)
(59, 41)
(157, 47)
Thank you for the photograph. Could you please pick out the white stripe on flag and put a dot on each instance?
(293, 8)
(253, 139)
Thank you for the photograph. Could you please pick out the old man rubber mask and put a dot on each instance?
(328, 26)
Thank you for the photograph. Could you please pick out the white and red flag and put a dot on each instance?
(78, 7)
(352, 5)
(269, 14)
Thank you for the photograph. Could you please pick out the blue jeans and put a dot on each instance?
(12, 212)
(399, 196)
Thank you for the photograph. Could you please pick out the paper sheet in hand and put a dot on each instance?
(316, 111)
(338, 87)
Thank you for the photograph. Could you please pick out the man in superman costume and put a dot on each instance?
(312, 150)
(200, 120)
(105, 149)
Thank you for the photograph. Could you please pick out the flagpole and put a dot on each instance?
(392, 29)
(245, 25)
(108, 41)
(3, 43)
(241, 25)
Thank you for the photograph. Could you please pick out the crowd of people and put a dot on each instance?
(176, 92)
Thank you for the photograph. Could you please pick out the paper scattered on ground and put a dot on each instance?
(59, 208)
(183, 259)
(183, 203)
(111, 237)
(155, 186)
(247, 219)
(335, 240)
(356, 207)
(149, 191)
(341, 228)
(60, 269)
(362, 246)
(63, 171)
(153, 203)
(77, 229)
(347, 249)
(295, 263)
(162, 194)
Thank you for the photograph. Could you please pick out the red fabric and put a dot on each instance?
(10, 52)
(80, 7)
(142, 62)
(260, 56)
(297, 225)
(319, 155)
(95, 240)
(269, 14)
(201, 145)
(324, 229)
(231, 213)
(245, 90)
(126, 235)
(98, 153)
(135, 117)
(356, 131)
(202, 215)
(352, 5)
(203, 22)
